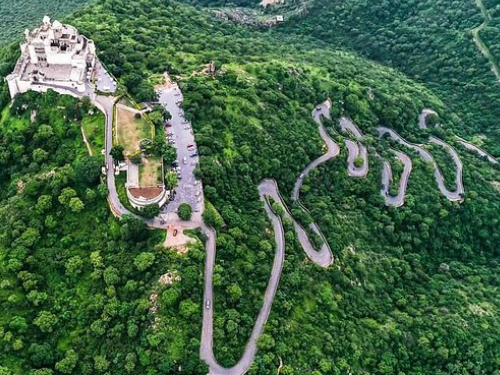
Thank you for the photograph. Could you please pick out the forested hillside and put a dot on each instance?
(413, 290)
(17, 15)
(429, 40)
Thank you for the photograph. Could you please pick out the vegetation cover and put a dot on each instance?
(431, 41)
(17, 15)
(413, 289)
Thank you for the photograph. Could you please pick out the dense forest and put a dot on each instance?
(413, 289)
(430, 41)
(17, 15)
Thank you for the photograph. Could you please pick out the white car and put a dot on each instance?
(184, 160)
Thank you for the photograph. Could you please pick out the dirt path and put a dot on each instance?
(87, 144)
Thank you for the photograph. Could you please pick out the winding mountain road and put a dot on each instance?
(399, 199)
(356, 149)
(332, 146)
(456, 195)
(268, 190)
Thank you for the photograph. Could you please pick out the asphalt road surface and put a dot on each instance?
(422, 118)
(399, 199)
(481, 152)
(356, 149)
(426, 155)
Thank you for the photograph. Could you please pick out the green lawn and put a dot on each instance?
(94, 128)
(150, 172)
(131, 130)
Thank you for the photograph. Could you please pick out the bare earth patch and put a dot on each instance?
(130, 130)
(150, 172)
(178, 242)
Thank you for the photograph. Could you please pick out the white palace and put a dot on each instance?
(54, 55)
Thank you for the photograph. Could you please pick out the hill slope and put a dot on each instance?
(16, 15)
(430, 41)
(413, 289)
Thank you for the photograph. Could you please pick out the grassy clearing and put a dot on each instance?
(94, 129)
(150, 172)
(131, 130)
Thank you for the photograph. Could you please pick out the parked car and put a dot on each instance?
(194, 154)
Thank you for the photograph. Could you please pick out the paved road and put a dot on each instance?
(332, 146)
(478, 150)
(399, 199)
(356, 149)
(451, 195)
(324, 257)
(458, 163)
(266, 188)
(422, 118)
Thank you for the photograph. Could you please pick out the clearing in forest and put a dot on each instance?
(131, 128)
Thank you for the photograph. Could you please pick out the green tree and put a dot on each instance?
(74, 266)
(150, 211)
(101, 364)
(118, 153)
(40, 155)
(76, 204)
(144, 260)
(44, 203)
(170, 180)
(185, 211)
(46, 321)
(68, 363)
(66, 195)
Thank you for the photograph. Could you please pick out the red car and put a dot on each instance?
(191, 145)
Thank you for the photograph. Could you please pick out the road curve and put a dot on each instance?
(422, 118)
(458, 162)
(267, 188)
(356, 149)
(399, 199)
(322, 110)
(426, 155)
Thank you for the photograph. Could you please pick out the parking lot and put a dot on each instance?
(179, 133)
(104, 82)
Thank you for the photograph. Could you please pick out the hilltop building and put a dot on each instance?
(53, 56)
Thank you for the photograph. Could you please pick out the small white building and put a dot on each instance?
(54, 55)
